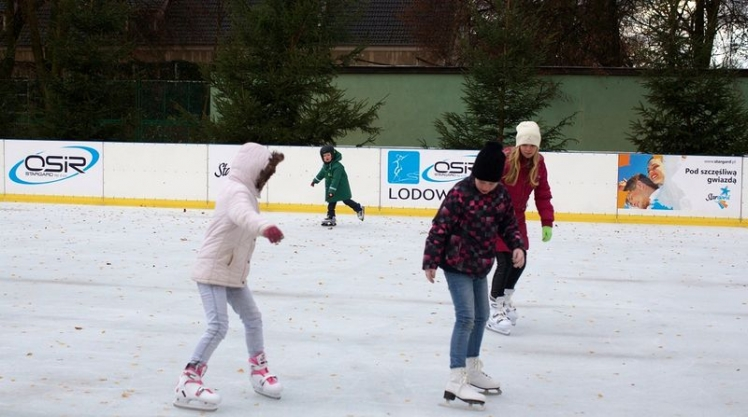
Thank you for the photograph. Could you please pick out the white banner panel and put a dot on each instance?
(156, 171)
(702, 186)
(420, 178)
(290, 184)
(580, 182)
(54, 168)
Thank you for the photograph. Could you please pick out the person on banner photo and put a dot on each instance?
(221, 271)
(337, 187)
(475, 213)
(642, 193)
(669, 195)
(524, 173)
(662, 184)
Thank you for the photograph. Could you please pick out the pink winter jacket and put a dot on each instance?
(230, 239)
(520, 193)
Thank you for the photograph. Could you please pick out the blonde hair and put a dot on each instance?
(514, 160)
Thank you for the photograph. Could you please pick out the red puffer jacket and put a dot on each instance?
(520, 193)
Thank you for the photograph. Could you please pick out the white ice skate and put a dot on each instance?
(511, 311)
(264, 382)
(361, 213)
(458, 388)
(190, 392)
(329, 222)
(479, 379)
(499, 322)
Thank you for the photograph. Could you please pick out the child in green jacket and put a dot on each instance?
(337, 187)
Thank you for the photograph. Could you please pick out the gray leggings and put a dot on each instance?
(216, 300)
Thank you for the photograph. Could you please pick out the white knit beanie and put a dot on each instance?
(528, 133)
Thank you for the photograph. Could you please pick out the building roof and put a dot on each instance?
(381, 24)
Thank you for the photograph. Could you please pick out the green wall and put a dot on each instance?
(412, 103)
(604, 106)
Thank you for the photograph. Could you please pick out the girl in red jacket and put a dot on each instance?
(524, 174)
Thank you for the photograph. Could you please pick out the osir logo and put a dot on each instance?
(404, 167)
(47, 167)
(449, 170)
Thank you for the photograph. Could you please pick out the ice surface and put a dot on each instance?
(98, 317)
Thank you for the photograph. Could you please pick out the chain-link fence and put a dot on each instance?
(140, 111)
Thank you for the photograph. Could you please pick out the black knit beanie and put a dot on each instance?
(489, 164)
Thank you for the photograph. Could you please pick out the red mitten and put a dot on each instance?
(273, 234)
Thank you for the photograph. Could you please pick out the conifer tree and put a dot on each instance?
(502, 85)
(694, 105)
(77, 57)
(273, 75)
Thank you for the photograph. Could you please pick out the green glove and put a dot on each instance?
(547, 233)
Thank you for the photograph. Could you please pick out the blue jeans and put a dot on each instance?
(216, 300)
(470, 299)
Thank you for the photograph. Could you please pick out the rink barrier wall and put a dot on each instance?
(189, 176)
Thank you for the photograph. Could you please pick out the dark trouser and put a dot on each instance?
(350, 203)
(505, 276)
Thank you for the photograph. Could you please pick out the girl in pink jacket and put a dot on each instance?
(524, 174)
(221, 270)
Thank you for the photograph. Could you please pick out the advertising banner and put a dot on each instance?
(421, 178)
(708, 186)
(54, 168)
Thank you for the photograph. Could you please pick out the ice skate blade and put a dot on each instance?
(468, 404)
(505, 333)
(487, 391)
(269, 395)
(195, 405)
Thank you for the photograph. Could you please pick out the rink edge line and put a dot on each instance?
(370, 210)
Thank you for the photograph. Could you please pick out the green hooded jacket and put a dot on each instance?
(336, 179)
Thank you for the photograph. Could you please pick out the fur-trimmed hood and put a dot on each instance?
(247, 165)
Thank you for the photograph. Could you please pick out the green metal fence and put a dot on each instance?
(152, 111)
